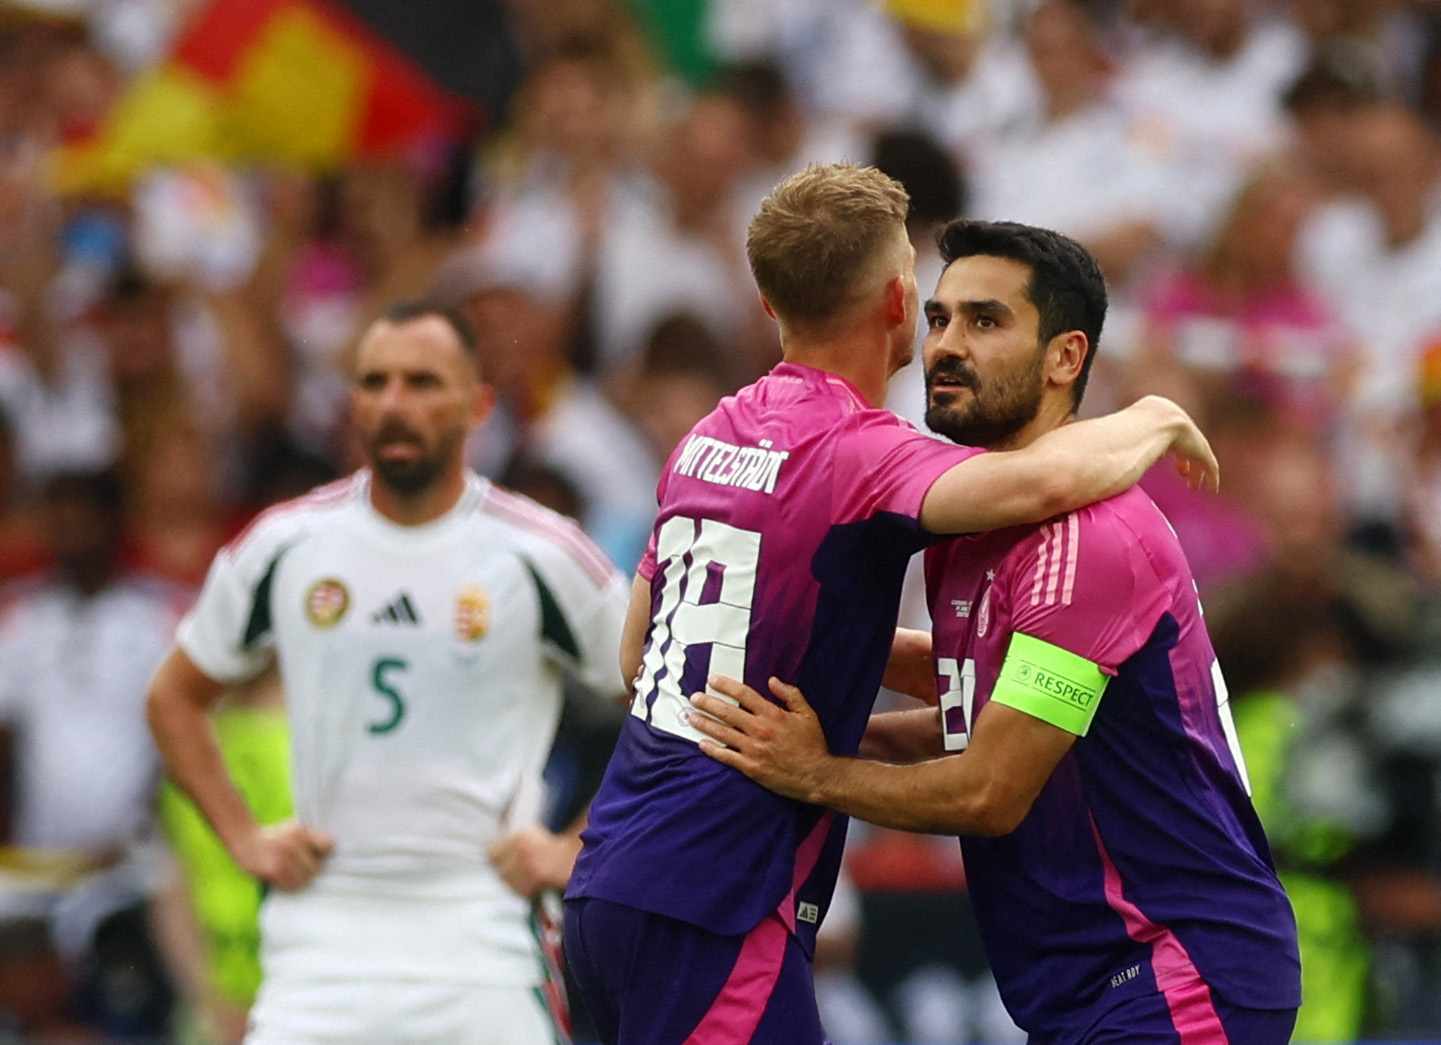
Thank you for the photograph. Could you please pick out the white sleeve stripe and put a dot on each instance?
(1055, 580)
(320, 497)
(1073, 531)
(1041, 559)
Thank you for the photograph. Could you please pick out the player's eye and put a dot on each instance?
(936, 321)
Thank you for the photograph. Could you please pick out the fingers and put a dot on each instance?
(723, 755)
(720, 720)
(289, 855)
(738, 691)
(789, 695)
(1200, 470)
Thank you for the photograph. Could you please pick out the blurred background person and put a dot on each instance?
(77, 648)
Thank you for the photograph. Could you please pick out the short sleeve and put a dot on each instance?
(227, 633)
(1084, 582)
(884, 465)
(584, 599)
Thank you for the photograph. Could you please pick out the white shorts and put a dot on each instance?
(399, 1012)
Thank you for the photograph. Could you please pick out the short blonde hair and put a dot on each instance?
(819, 236)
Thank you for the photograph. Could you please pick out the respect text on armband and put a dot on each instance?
(1046, 682)
(746, 467)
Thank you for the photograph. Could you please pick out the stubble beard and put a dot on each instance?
(992, 414)
(413, 477)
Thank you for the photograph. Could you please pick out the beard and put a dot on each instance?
(415, 475)
(993, 412)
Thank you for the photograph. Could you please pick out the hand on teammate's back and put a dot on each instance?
(286, 855)
(779, 744)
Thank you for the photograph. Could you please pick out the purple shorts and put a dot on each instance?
(1184, 1016)
(650, 980)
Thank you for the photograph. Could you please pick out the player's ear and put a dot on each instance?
(482, 404)
(896, 301)
(767, 306)
(1067, 354)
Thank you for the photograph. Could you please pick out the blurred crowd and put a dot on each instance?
(1261, 180)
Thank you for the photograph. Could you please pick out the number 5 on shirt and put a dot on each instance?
(707, 575)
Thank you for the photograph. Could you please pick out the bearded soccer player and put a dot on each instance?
(786, 520)
(423, 621)
(1083, 749)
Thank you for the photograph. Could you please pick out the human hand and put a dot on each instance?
(286, 855)
(780, 746)
(1195, 461)
(533, 859)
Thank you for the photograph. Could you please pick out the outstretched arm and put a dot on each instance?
(1067, 468)
(986, 790)
(286, 855)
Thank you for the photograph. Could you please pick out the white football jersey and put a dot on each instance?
(422, 667)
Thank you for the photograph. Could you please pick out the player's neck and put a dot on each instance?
(1053, 413)
(415, 508)
(855, 359)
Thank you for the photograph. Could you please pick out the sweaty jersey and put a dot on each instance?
(422, 667)
(786, 520)
(1142, 865)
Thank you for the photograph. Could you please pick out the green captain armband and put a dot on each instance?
(1052, 684)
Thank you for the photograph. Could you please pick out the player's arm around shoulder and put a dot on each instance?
(1068, 467)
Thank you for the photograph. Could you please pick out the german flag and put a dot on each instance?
(313, 83)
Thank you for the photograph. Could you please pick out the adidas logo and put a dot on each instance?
(400, 611)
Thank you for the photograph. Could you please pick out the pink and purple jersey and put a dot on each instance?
(786, 520)
(1142, 866)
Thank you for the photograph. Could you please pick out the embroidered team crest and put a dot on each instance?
(472, 614)
(326, 602)
(983, 615)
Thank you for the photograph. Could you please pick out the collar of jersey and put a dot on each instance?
(474, 492)
(832, 380)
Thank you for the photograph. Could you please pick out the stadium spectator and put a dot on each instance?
(21, 550)
(548, 412)
(1377, 258)
(1079, 167)
(1314, 784)
(77, 648)
(1206, 95)
(1241, 321)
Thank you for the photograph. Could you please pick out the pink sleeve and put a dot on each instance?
(884, 465)
(1085, 583)
(646, 567)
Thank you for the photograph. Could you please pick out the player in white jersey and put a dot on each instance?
(422, 621)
